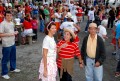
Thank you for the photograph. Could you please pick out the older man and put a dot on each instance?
(93, 54)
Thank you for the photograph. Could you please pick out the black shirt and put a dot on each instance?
(42, 13)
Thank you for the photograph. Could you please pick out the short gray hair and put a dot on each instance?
(104, 22)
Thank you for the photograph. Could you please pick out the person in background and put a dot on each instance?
(111, 17)
(42, 19)
(102, 30)
(34, 23)
(1, 16)
(51, 10)
(27, 9)
(48, 66)
(58, 18)
(47, 14)
(7, 34)
(1, 7)
(91, 18)
(27, 28)
(117, 73)
(35, 10)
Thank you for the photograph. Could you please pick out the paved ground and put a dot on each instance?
(29, 56)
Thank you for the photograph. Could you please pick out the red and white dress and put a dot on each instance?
(49, 43)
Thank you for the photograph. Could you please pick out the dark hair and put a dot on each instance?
(92, 8)
(72, 39)
(34, 18)
(48, 26)
(7, 12)
(56, 10)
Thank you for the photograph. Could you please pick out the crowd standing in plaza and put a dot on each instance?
(61, 24)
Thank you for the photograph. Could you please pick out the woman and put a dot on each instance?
(67, 49)
(58, 18)
(27, 27)
(48, 66)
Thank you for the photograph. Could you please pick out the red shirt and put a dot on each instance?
(77, 40)
(68, 52)
(27, 25)
(79, 14)
(2, 9)
(27, 9)
(34, 24)
(1, 17)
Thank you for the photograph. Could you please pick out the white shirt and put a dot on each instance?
(49, 43)
(17, 21)
(58, 16)
(71, 7)
(7, 27)
(102, 31)
(68, 25)
(91, 15)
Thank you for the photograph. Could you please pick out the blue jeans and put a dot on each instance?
(93, 73)
(9, 54)
(42, 26)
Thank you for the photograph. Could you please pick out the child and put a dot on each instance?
(34, 23)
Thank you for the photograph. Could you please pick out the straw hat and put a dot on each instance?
(93, 25)
(72, 32)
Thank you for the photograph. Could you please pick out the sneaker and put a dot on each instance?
(16, 70)
(6, 77)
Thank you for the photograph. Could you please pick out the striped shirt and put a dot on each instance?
(68, 52)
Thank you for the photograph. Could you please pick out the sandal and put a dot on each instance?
(117, 74)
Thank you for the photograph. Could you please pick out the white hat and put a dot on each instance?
(68, 15)
(71, 32)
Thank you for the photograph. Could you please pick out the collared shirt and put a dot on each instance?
(7, 27)
(91, 46)
(68, 52)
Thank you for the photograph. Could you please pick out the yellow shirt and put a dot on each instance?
(91, 47)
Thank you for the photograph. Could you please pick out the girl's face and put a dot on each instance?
(67, 36)
(52, 30)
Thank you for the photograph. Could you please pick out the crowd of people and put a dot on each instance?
(61, 20)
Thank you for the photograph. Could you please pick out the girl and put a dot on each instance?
(48, 67)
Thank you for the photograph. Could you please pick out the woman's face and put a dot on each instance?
(67, 36)
(52, 30)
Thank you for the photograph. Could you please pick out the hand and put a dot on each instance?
(63, 45)
(81, 64)
(16, 32)
(97, 64)
(45, 73)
